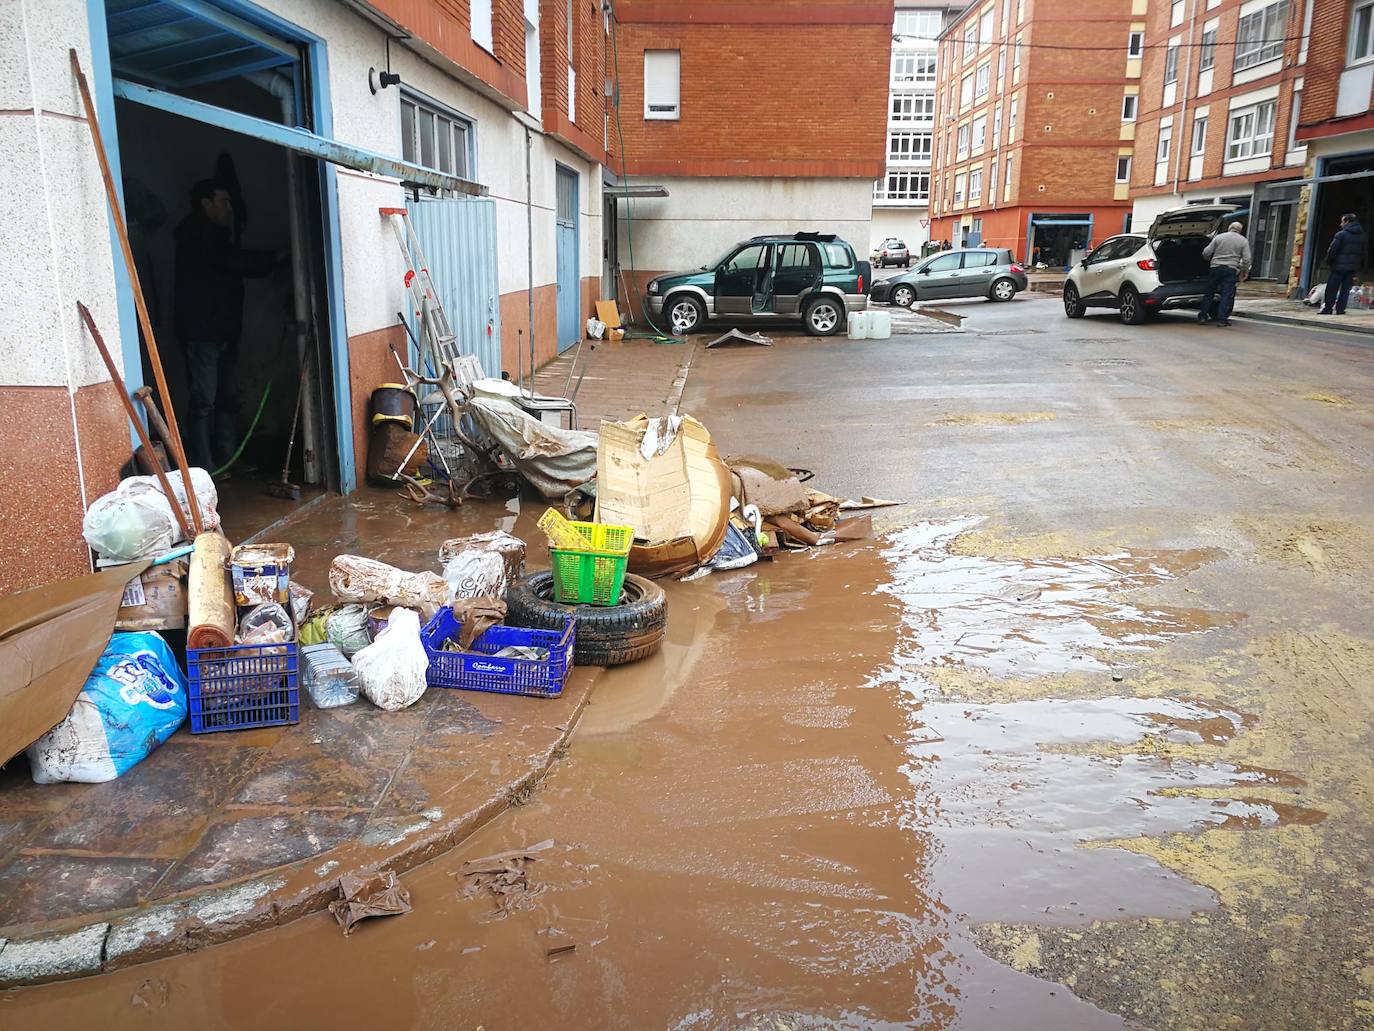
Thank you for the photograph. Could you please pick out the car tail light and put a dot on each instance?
(1017, 268)
(1148, 264)
(861, 282)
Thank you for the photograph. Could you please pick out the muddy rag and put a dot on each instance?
(381, 894)
(477, 616)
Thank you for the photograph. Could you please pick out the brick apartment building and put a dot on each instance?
(901, 198)
(1221, 90)
(750, 118)
(1029, 135)
(1336, 125)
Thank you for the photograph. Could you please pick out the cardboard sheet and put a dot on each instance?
(609, 313)
(50, 637)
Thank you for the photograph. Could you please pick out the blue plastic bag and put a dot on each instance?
(134, 700)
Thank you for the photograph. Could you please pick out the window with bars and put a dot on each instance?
(912, 107)
(1259, 36)
(435, 138)
(1250, 132)
(908, 146)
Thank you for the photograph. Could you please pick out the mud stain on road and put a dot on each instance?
(992, 419)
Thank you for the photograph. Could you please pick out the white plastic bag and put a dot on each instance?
(482, 565)
(201, 483)
(1316, 297)
(267, 623)
(129, 526)
(357, 579)
(392, 668)
(595, 328)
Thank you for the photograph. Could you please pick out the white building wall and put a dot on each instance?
(903, 223)
(701, 217)
(54, 234)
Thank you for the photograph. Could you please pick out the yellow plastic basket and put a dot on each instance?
(592, 577)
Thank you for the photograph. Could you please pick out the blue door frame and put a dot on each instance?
(1311, 246)
(320, 107)
(567, 272)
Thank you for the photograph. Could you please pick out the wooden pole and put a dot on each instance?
(133, 417)
(144, 321)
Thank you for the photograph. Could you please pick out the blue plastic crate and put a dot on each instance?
(477, 670)
(243, 686)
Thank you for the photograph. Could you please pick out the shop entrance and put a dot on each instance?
(1343, 186)
(1058, 240)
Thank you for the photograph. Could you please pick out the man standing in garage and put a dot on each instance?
(1345, 257)
(1229, 255)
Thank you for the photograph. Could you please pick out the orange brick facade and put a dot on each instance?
(1327, 57)
(774, 88)
(1050, 118)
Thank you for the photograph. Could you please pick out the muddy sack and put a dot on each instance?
(134, 700)
(392, 668)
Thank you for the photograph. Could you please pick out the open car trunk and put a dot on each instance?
(1178, 237)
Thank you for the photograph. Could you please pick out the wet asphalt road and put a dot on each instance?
(1082, 741)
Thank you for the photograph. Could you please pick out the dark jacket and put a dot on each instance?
(210, 269)
(1346, 253)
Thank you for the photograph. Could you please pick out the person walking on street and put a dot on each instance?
(1229, 255)
(208, 292)
(1345, 256)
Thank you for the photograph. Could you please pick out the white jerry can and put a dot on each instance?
(879, 324)
(858, 325)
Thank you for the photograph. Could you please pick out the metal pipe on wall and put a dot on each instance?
(529, 237)
(284, 90)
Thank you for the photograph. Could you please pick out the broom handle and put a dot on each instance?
(154, 359)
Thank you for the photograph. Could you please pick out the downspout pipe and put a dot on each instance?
(283, 88)
(1184, 137)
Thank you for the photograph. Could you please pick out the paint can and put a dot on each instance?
(393, 402)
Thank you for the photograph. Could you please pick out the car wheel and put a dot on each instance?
(685, 314)
(606, 635)
(1132, 307)
(1074, 308)
(824, 316)
(903, 296)
(1003, 290)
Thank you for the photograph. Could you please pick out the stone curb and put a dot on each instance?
(224, 912)
(1284, 320)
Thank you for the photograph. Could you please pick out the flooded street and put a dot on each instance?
(1081, 740)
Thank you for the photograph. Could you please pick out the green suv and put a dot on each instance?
(811, 276)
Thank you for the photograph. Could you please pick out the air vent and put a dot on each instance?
(1049, 95)
(1040, 188)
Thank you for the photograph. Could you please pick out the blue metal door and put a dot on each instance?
(458, 237)
(569, 280)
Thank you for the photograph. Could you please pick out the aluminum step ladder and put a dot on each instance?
(437, 339)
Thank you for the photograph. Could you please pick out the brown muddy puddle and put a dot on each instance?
(777, 823)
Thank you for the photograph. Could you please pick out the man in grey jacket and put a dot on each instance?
(1229, 255)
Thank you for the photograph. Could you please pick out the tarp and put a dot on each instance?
(50, 639)
(554, 460)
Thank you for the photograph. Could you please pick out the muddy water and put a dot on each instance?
(778, 822)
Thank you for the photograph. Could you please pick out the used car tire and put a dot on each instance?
(1132, 307)
(824, 316)
(686, 313)
(606, 635)
(1002, 290)
(1073, 307)
(903, 296)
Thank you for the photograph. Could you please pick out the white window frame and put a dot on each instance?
(1006, 183)
(1135, 44)
(1265, 25)
(1207, 54)
(975, 185)
(1130, 107)
(1250, 131)
(1360, 50)
(970, 40)
(982, 80)
(924, 25)
(908, 69)
(962, 136)
(1011, 118)
(959, 180)
(462, 155)
(1165, 144)
(911, 106)
(1123, 168)
(905, 147)
(903, 186)
(1171, 64)
(966, 90)
(662, 104)
(1176, 13)
(1294, 113)
(1199, 144)
(992, 181)
(978, 134)
(985, 29)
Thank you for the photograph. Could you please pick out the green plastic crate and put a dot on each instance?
(593, 577)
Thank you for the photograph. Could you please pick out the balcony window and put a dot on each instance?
(908, 147)
(1259, 36)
